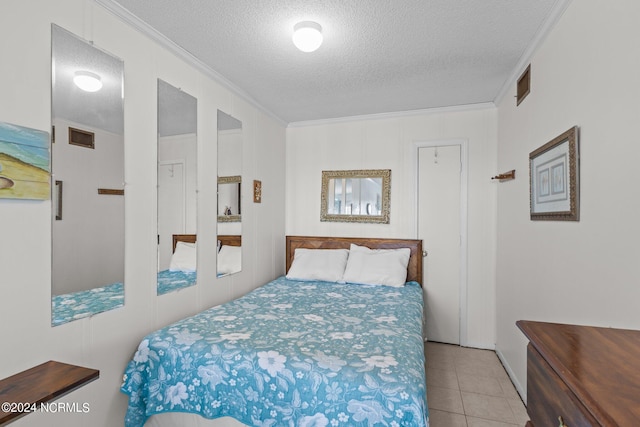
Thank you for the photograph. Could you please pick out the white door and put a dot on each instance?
(170, 209)
(439, 202)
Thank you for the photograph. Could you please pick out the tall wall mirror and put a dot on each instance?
(87, 155)
(177, 180)
(229, 258)
(356, 196)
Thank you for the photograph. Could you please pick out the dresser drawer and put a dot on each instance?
(548, 397)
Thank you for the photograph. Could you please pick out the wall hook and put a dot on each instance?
(505, 176)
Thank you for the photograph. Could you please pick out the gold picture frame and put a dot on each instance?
(554, 179)
(233, 192)
(361, 196)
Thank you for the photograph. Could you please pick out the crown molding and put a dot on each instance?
(144, 28)
(395, 114)
(556, 13)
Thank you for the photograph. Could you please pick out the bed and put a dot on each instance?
(291, 352)
(182, 272)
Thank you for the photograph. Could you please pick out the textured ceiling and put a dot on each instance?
(378, 56)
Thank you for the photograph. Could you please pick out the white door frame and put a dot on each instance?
(462, 315)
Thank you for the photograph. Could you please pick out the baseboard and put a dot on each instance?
(521, 391)
(481, 346)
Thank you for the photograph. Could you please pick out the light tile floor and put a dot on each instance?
(468, 387)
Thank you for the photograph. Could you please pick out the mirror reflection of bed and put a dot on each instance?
(182, 270)
(87, 159)
(229, 192)
(177, 178)
(229, 254)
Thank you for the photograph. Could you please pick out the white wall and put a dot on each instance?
(389, 143)
(108, 340)
(584, 272)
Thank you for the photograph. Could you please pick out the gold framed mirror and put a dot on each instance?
(356, 196)
(229, 192)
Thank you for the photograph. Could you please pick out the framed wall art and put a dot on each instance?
(24, 163)
(257, 191)
(554, 179)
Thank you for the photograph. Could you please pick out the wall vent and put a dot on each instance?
(81, 138)
(524, 85)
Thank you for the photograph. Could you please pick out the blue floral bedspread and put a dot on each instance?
(169, 281)
(289, 353)
(77, 305)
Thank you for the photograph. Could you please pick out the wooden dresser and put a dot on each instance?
(582, 375)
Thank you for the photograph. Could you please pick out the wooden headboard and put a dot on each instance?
(229, 240)
(187, 238)
(414, 269)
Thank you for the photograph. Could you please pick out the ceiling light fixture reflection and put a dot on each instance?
(87, 81)
(307, 36)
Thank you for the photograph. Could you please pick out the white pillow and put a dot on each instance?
(377, 266)
(229, 259)
(318, 264)
(184, 257)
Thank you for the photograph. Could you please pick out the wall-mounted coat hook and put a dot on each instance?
(505, 176)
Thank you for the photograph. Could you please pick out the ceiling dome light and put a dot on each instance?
(87, 81)
(307, 36)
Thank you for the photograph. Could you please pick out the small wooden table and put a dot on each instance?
(582, 375)
(24, 392)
